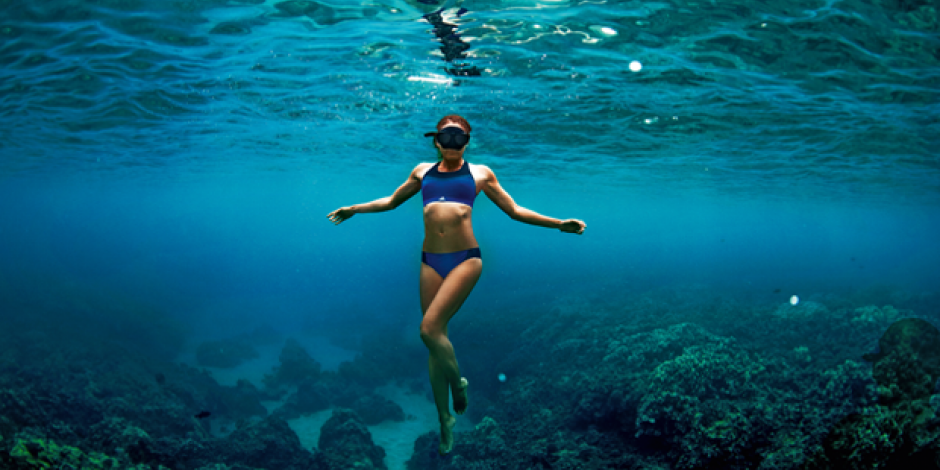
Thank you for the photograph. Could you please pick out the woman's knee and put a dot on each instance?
(431, 334)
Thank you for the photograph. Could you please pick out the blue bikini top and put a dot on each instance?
(452, 186)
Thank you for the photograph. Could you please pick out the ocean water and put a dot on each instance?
(166, 169)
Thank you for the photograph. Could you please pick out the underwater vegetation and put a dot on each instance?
(670, 381)
(669, 378)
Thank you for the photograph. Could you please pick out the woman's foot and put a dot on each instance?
(461, 397)
(447, 435)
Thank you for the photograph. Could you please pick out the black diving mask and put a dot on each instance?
(451, 138)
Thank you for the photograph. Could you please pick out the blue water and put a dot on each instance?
(181, 157)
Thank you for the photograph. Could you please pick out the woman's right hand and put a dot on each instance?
(341, 214)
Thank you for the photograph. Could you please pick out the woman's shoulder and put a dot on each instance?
(421, 169)
(480, 171)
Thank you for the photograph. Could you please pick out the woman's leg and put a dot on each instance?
(440, 300)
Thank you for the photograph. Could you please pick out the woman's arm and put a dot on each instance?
(409, 188)
(504, 201)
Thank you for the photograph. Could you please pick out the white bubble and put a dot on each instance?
(794, 300)
(502, 377)
(636, 66)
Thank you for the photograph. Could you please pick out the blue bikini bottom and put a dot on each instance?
(444, 263)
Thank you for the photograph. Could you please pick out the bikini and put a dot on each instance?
(452, 186)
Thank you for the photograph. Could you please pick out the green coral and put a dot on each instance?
(707, 397)
(801, 354)
(43, 453)
(885, 315)
(925, 18)
(489, 427)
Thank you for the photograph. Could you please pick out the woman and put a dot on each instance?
(451, 262)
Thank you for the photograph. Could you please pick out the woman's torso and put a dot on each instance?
(447, 225)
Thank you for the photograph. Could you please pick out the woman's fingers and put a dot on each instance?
(338, 216)
(335, 217)
(574, 226)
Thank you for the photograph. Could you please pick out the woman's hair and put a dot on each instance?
(455, 119)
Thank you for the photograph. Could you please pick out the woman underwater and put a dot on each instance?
(451, 262)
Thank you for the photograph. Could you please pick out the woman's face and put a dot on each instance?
(450, 152)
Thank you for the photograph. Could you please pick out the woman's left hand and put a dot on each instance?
(572, 226)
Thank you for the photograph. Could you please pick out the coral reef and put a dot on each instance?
(310, 397)
(719, 406)
(267, 444)
(316, 391)
(296, 366)
(675, 379)
(884, 316)
(44, 453)
(346, 443)
(78, 404)
(658, 379)
(903, 430)
(374, 409)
